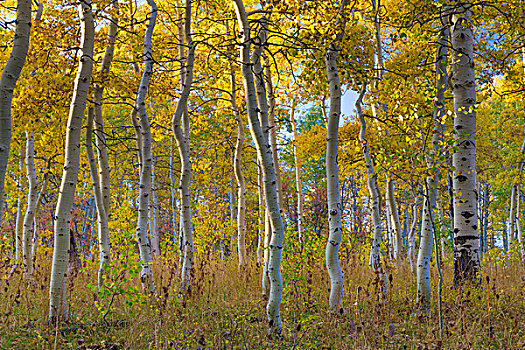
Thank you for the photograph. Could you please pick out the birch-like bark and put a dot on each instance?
(154, 214)
(298, 181)
(58, 284)
(173, 197)
(411, 237)
(432, 182)
(102, 219)
(146, 276)
(98, 92)
(264, 154)
(335, 208)
(180, 128)
(512, 215)
(273, 133)
(397, 239)
(19, 225)
(260, 216)
(36, 232)
(239, 176)
(375, 253)
(466, 238)
(10, 76)
(29, 218)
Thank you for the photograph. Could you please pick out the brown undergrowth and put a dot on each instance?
(224, 309)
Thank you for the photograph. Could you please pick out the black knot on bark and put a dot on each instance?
(461, 178)
(333, 212)
(467, 214)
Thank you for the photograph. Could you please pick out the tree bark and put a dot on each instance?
(265, 156)
(102, 219)
(181, 133)
(31, 207)
(298, 181)
(154, 214)
(36, 232)
(19, 225)
(10, 76)
(57, 290)
(335, 208)
(397, 239)
(466, 238)
(146, 275)
(375, 253)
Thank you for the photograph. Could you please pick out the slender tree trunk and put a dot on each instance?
(432, 182)
(181, 133)
(58, 284)
(397, 239)
(298, 181)
(411, 237)
(375, 253)
(100, 137)
(154, 214)
(335, 229)
(36, 232)
(512, 215)
(19, 228)
(10, 76)
(466, 238)
(31, 207)
(265, 156)
(173, 197)
(102, 219)
(239, 176)
(260, 215)
(146, 157)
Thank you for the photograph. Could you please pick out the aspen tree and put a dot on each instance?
(19, 224)
(36, 233)
(29, 218)
(264, 155)
(10, 76)
(335, 229)
(154, 213)
(375, 253)
(98, 92)
(58, 280)
(432, 182)
(139, 108)
(239, 176)
(466, 238)
(180, 128)
(298, 176)
(102, 219)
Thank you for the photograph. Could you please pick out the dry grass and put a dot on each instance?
(225, 310)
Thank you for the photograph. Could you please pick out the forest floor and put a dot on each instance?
(225, 309)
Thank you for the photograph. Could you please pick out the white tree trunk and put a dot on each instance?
(154, 214)
(10, 76)
(146, 275)
(19, 225)
(265, 156)
(335, 229)
(57, 290)
(512, 215)
(411, 237)
(397, 239)
(260, 215)
(466, 238)
(180, 127)
(432, 182)
(36, 232)
(239, 176)
(375, 253)
(100, 137)
(298, 181)
(102, 219)
(27, 235)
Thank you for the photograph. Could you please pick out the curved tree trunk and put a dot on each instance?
(102, 219)
(180, 128)
(265, 156)
(100, 137)
(237, 163)
(57, 290)
(146, 275)
(335, 229)
(10, 76)
(31, 207)
(466, 238)
(19, 225)
(375, 253)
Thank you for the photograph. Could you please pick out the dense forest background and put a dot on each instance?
(274, 174)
